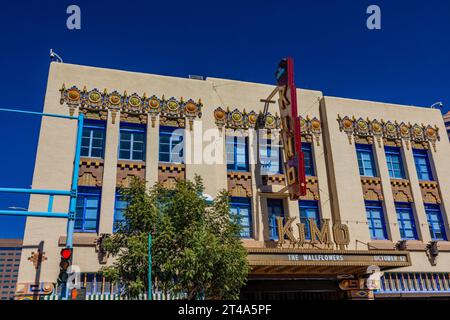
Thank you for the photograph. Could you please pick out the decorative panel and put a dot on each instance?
(372, 190)
(90, 172)
(240, 184)
(312, 189)
(310, 128)
(134, 104)
(169, 174)
(133, 118)
(368, 130)
(126, 170)
(430, 192)
(239, 120)
(274, 179)
(401, 190)
(94, 114)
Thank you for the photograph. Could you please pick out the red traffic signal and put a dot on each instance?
(66, 253)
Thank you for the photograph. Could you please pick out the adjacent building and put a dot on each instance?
(10, 252)
(447, 122)
(377, 182)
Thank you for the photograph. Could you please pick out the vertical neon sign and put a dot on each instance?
(290, 130)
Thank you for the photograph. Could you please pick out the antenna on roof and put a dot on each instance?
(55, 57)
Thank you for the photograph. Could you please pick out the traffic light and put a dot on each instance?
(66, 261)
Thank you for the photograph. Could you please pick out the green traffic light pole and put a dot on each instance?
(149, 293)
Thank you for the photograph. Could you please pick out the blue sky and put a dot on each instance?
(406, 62)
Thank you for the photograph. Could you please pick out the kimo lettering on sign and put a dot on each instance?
(341, 236)
(290, 130)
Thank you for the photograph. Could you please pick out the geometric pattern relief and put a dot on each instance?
(126, 171)
(135, 104)
(169, 174)
(401, 190)
(372, 190)
(90, 173)
(430, 192)
(389, 131)
(312, 189)
(239, 184)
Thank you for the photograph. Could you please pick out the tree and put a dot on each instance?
(196, 247)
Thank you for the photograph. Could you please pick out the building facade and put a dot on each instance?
(10, 251)
(377, 181)
(447, 123)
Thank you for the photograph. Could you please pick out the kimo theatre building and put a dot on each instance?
(377, 198)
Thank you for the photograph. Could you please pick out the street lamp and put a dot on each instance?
(438, 104)
(18, 208)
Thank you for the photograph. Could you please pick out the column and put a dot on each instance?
(419, 208)
(389, 203)
(152, 152)
(108, 196)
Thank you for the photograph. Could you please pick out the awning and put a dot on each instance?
(284, 261)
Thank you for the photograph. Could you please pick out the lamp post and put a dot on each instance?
(149, 293)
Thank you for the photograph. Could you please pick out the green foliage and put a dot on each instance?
(196, 247)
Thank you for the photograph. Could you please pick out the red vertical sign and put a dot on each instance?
(290, 130)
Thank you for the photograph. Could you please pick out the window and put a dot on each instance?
(242, 209)
(394, 162)
(270, 157)
(275, 208)
(237, 153)
(132, 143)
(93, 139)
(119, 209)
(365, 160)
(406, 222)
(375, 219)
(87, 209)
(309, 209)
(422, 162)
(171, 144)
(309, 164)
(435, 222)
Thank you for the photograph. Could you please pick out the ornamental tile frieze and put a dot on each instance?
(391, 132)
(310, 128)
(133, 104)
(243, 120)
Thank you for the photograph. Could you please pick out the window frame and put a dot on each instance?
(267, 145)
(243, 203)
(273, 230)
(389, 153)
(235, 166)
(88, 192)
(430, 208)
(133, 129)
(309, 204)
(93, 125)
(406, 206)
(118, 198)
(364, 149)
(371, 205)
(423, 154)
(307, 149)
(168, 131)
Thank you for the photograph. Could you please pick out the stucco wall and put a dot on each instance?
(334, 159)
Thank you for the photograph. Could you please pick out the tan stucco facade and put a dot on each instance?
(338, 184)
